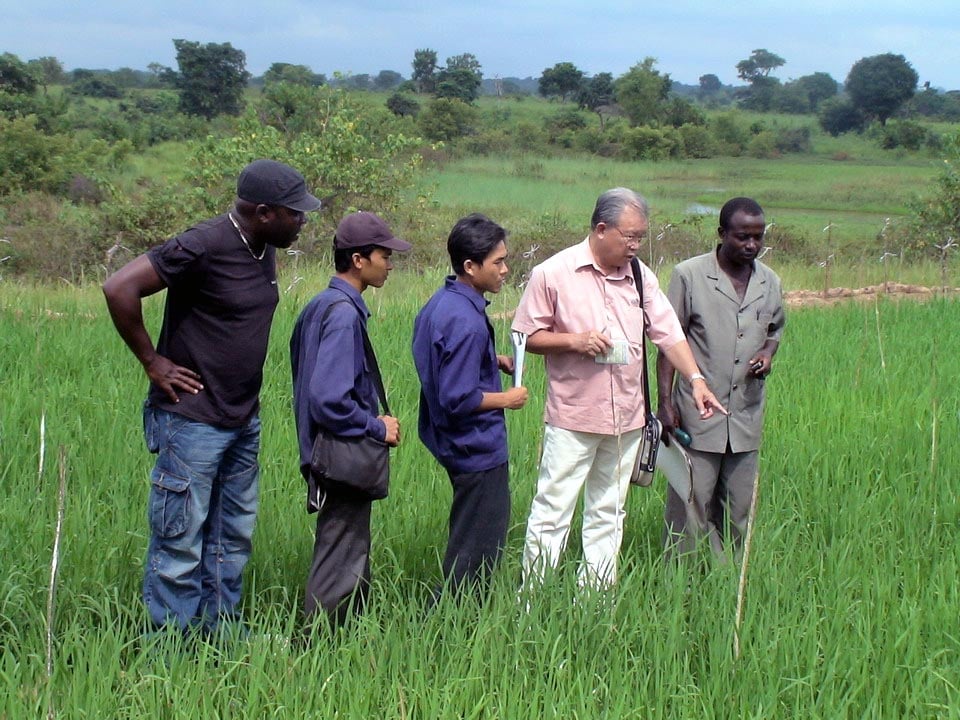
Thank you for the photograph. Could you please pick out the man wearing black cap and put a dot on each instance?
(201, 414)
(334, 390)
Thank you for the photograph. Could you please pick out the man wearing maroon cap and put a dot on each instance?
(201, 416)
(334, 389)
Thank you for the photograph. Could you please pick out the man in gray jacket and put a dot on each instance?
(730, 307)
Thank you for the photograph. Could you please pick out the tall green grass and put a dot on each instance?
(851, 605)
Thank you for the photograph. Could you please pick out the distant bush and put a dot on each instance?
(446, 119)
(403, 105)
(697, 141)
(646, 143)
(838, 116)
(729, 133)
(901, 134)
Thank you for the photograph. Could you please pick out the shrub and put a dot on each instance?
(795, 140)
(697, 141)
(447, 118)
(646, 143)
(763, 145)
(403, 105)
(838, 116)
(729, 133)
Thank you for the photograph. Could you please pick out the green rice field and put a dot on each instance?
(852, 596)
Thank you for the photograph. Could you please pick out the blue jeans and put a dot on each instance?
(203, 504)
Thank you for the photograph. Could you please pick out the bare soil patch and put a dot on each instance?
(898, 291)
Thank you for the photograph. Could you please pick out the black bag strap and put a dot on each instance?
(369, 354)
(638, 281)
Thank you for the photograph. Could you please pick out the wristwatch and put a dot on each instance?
(697, 376)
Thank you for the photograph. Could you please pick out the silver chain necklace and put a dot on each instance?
(244, 238)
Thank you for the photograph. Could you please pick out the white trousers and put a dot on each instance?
(598, 464)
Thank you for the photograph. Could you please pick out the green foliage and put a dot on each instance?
(460, 79)
(641, 92)
(211, 78)
(839, 115)
(97, 87)
(446, 118)
(759, 65)
(903, 134)
(933, 104)
(709, 85)
(31, 159)
(424, 70)
(730, 133)
(646, 143)
(281, 72)
(403, 105)
(15, 75)
(761, 95)
(48, 71)
(679, 111)
(937, 216)
(880, 84)
(352, 158)
(697, 141)
(563, 80)
(387, 80)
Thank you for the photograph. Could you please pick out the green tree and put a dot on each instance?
(211, 78)
(709, 85)
(818, 87)
(15, 76)
(403, 105)
(839, 115)
(938, 216)
(48, 71)
(342, 147)
(387, 80)
(424, 70)
(460, 79)
(563, 80)
(596, 94)
(446, 119)
(286, 72)
(763, 91)
(642, 91)
(759, 65)
(880, 84)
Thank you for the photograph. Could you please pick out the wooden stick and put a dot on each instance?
(742, 588)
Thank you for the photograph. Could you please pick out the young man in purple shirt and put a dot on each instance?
(462, 400)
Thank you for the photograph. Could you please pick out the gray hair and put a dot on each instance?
(612, 203)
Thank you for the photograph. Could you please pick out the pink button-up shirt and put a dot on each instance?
(568, 293)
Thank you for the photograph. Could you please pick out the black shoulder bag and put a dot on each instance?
(355, 467)
(646, 461)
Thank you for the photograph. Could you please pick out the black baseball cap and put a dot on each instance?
(366, 228)
(269, 182)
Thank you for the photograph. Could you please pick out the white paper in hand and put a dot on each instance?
(519, 350)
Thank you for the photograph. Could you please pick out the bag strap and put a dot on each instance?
(638, 281)
(369, 354)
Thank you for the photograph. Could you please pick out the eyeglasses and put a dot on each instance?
(628, 238)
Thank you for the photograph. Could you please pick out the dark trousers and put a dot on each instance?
(479, 517)
(339, 576)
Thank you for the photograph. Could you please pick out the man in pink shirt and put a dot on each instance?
(581, 311)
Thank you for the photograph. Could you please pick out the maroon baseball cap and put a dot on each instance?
(366, 228)
(269, 182)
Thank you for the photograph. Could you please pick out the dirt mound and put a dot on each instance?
(804, 298)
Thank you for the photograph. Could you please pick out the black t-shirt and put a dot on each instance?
(219, 307)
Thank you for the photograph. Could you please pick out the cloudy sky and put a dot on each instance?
(689, 38)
